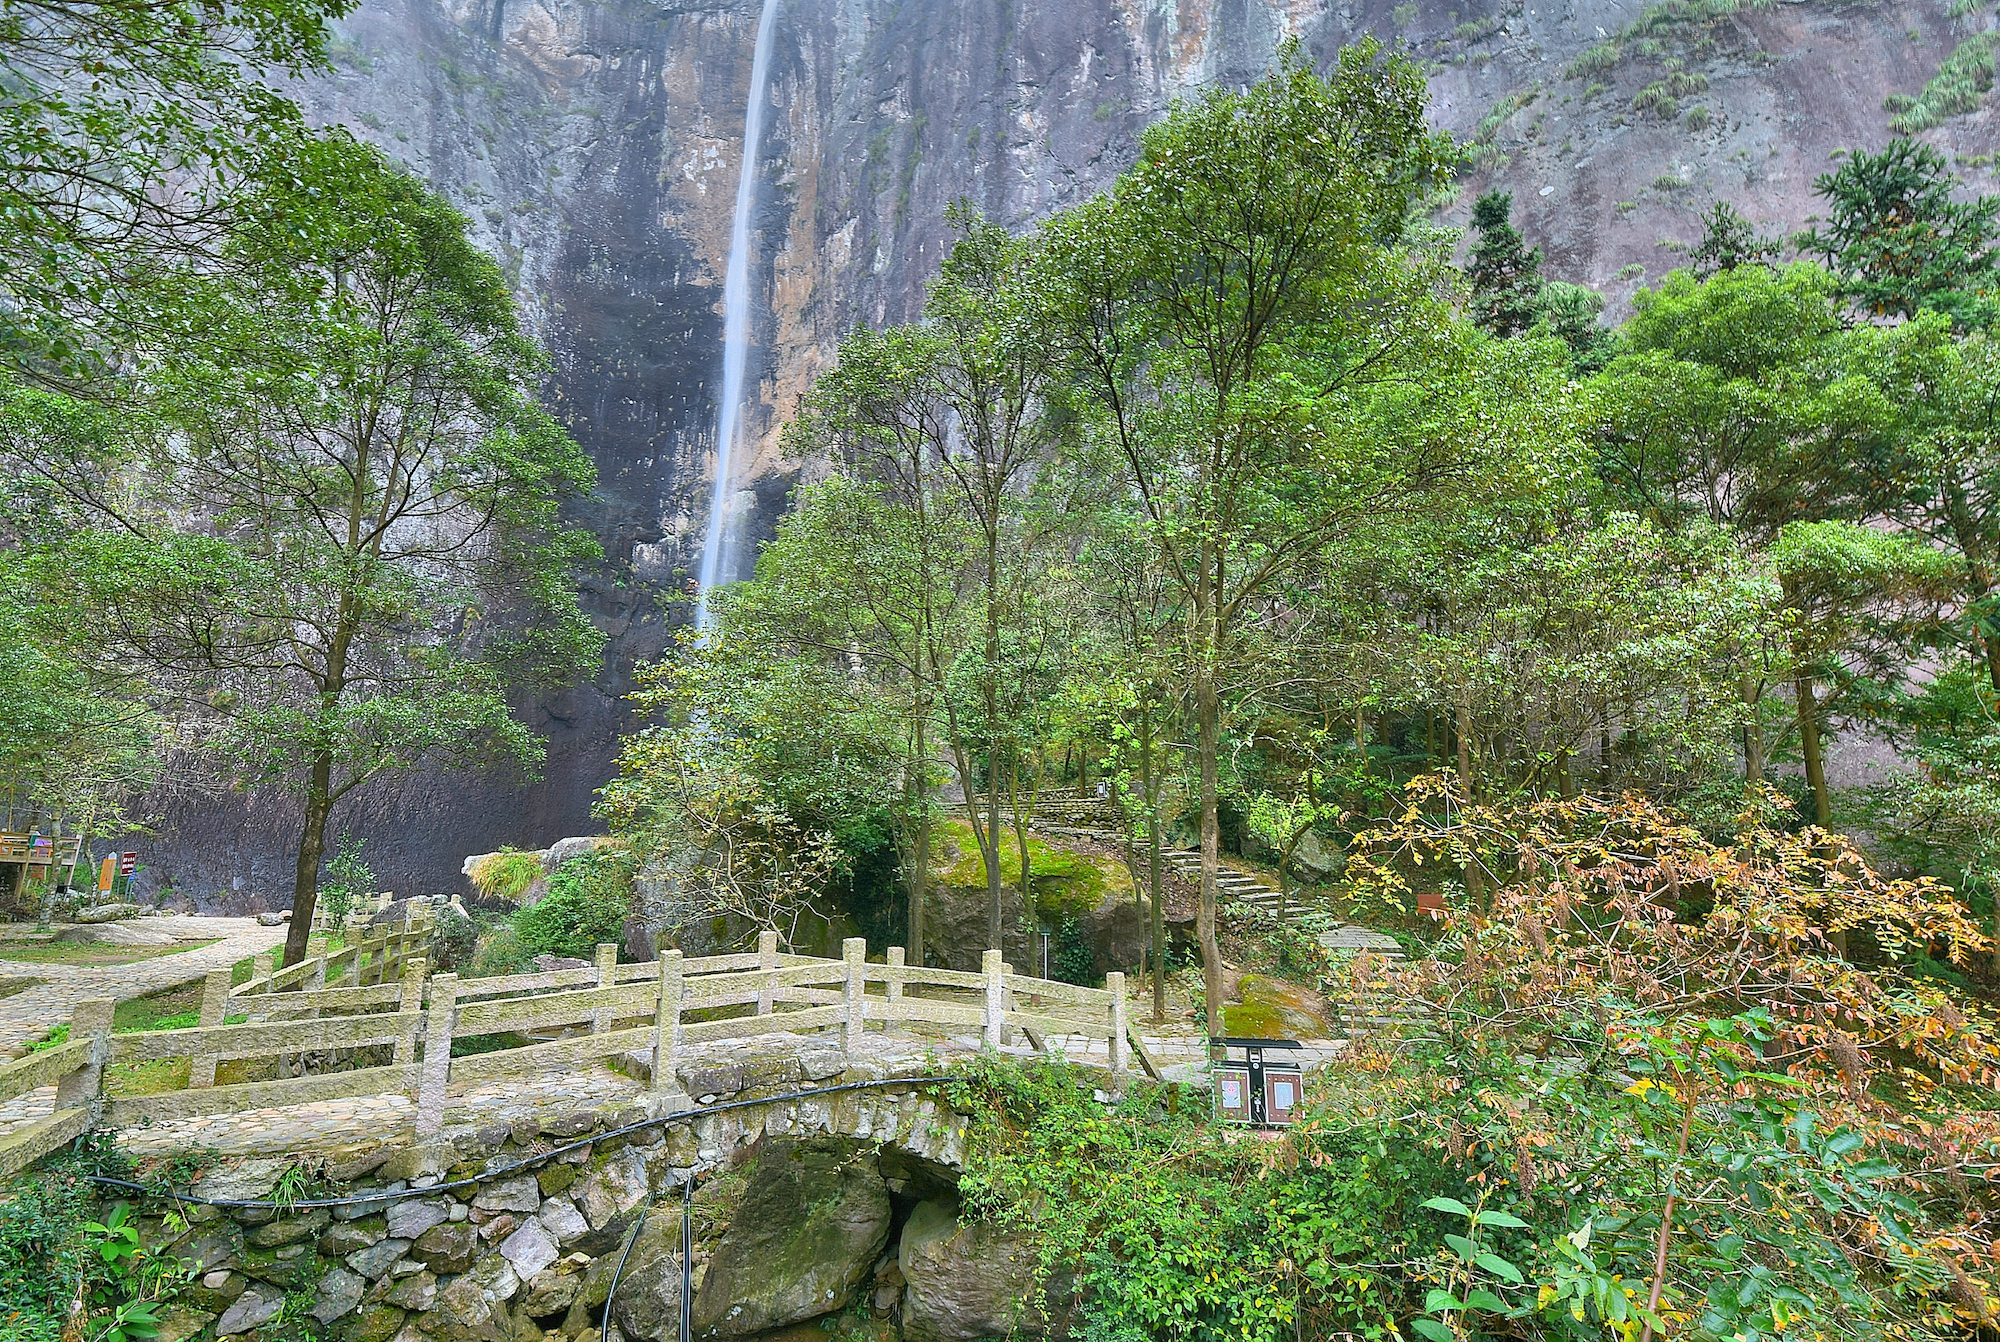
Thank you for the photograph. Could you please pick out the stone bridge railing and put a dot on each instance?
(594, 1013)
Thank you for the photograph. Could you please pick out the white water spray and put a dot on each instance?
(735, 320)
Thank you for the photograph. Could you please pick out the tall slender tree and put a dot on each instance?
(344, 546)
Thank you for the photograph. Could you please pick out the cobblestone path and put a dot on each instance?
(28, 1016)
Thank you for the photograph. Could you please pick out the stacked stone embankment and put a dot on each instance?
(833, 1216)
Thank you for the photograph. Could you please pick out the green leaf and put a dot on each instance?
(1481, 1298)
(1499, 1267)
(1437, 1301)
(1452, 1205)
(1505, 1220)
(1432, 1329)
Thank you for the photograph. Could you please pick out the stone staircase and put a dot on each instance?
(1360, 1012)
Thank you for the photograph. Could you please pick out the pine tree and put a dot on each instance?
(1729, 240)
(1900, 244)
(1506, 274)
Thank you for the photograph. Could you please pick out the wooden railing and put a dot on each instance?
(572, 1017)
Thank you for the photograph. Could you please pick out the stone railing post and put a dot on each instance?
(263, 966)
(1114, 983)
(214, 1010)
(992, 966)
(767, 964)
(85, 1086)
(854, 950)
(607, 977)
(1007, 1003)
(895, 986)
(412, 1000)
(667, 1032)
(434, 1075)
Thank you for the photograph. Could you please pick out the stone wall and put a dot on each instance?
(814, 1219)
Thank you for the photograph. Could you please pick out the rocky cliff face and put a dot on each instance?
(595, 145)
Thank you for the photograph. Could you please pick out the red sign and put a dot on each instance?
(128, 863)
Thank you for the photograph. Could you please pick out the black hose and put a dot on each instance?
(604, 1333)
(531, 1162)
(687, 1254)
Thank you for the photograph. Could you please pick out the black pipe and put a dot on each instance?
(604, 1333)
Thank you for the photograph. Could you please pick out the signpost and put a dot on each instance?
(1251, 1090)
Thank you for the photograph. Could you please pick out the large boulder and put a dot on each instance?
(963, 1281)
(813, 1219)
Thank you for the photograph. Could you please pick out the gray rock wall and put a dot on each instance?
(594, 145)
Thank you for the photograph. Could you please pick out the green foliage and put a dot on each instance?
(1729, 240)
(114, 177)
(1169, 1231)
(347, 877)
(1506, 275)
(1898, 240)
(62, 1248)
(507, 874)
(346, 445)
(1960, 85)
(453, 941)
(587, 903)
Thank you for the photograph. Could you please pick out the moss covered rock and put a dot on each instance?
(814, 1217)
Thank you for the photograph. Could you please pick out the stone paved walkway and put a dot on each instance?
(28, 1016)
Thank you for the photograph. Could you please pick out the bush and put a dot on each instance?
(507, 874)
(453, 940)
(347, 876)
(587, 903)
(499, 952)
(60, 1244)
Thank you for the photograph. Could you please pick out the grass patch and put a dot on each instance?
(128, 1080)
(91, 953)
(1959, 86)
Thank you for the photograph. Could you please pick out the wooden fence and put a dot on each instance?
(572, 1017)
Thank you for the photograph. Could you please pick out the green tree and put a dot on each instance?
(1857, 600)
(1941, 477)
(344, 544)
(1229, 307)
(1729, 240)
(1506, 274)
(126, 132)
(951, 413)
(1901, 244)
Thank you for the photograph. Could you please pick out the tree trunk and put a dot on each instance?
(920, 877)
(1361, 737)
(1153, 883)
(1753, 732)
(1809, 748)
(991, 691)
(1021, 843)
(1208, 741)
(312, 846)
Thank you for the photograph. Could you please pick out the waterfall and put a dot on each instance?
(735, 320)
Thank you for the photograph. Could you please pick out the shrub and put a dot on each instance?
(347, 877)
(587, 903)
(453, 940)
(1698, 117)
(506, 874)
